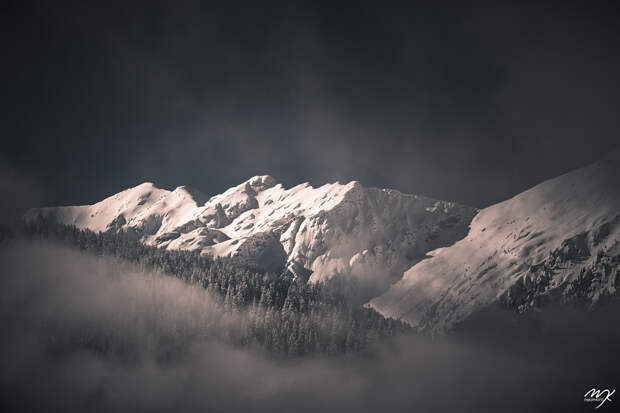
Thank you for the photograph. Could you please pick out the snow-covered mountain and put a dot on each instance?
(556, 241)
(373, 234)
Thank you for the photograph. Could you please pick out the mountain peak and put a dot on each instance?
(192, 193)
(261, 182)
(146, 184)
(523, 250)
(331, 229)
(143, 187)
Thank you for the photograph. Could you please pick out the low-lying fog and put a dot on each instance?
(84, 333)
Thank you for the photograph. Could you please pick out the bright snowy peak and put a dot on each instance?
(558, 241)
(373, 234)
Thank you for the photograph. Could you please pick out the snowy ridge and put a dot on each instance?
(346, 229)
(557, 239)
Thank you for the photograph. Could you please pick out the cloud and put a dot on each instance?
(85, 333)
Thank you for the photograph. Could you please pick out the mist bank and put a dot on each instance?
(87, 333)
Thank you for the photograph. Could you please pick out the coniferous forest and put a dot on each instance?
(269, 312)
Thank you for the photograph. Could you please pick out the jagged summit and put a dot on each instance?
(335, 228)
(262, 181)
(194, 194)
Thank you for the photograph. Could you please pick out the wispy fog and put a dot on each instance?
(84, 333)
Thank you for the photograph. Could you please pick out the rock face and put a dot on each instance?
(369, 233)
(556, 241)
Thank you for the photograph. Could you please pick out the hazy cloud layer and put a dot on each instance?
(82, 333)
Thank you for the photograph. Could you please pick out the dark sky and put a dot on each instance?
(471, 104)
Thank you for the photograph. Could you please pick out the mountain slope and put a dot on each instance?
(372, 234)
(558, 239)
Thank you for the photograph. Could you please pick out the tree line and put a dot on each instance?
(282, 315)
